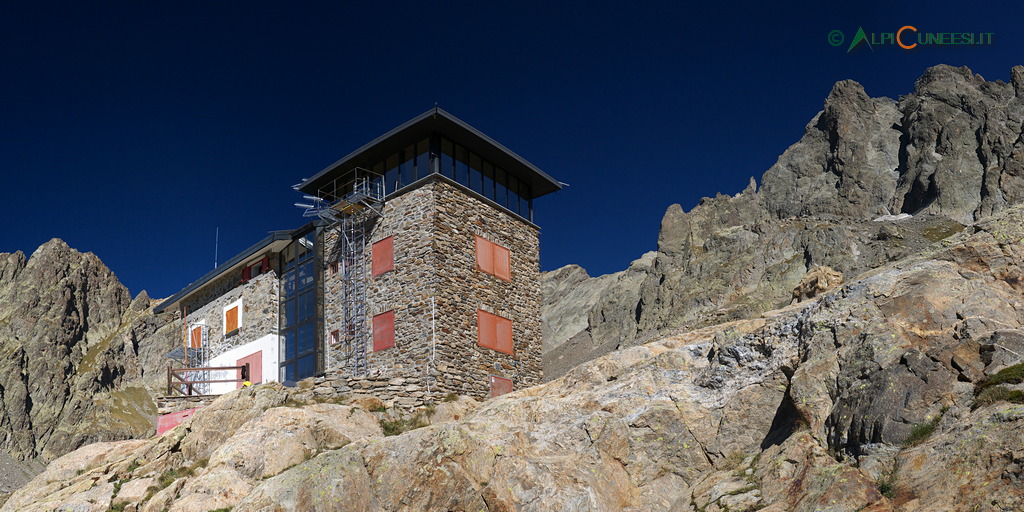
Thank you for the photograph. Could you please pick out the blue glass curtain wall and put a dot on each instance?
(299, 284)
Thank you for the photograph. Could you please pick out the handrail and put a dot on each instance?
(189, 385)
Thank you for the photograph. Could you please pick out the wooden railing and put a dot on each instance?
(178, 382)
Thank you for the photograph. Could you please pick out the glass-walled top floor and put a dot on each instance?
(441, 155)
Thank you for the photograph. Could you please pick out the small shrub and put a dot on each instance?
(379, 408)
(993, 394)
(887, 487)
(451, 397)
(922, 431)
(1009, 375)
(395, 427)
(392, 427)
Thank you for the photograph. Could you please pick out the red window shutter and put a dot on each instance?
(484, 255)
(246, 274)
(197, 336)
(383, 256)
(384, 331)
(265, 264)
(500, 386)
(486, 328)
(255, 368)
(231, 320)
(502, 267)
(504, 335)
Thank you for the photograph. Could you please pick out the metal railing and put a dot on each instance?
(178, 379)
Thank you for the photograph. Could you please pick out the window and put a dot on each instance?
(333, 268)
(301, 340)
(196, 337)
(384, 331)
(494, 332)
(256, 268)
(335, 336)
(493, 259)
(500, 386)
(232, 317)
(383, 253)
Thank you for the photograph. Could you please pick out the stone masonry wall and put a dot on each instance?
(434, 247)
(406, 290)
(259, 313)
(462, 290)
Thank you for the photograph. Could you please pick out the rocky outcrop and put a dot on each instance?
(815, 282)
(70, 335)
(871, 181)
(863, 398)
(573, 301)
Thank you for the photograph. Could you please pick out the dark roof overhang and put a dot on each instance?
(275, 242)
(419, 127)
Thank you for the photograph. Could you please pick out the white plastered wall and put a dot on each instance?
(269, 344)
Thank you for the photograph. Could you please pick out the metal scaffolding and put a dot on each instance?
(352, 204)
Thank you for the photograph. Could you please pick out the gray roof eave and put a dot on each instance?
(274, 236)
(423, 124)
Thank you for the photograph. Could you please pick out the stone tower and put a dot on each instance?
(429, 264)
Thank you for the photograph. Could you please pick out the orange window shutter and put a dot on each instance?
(197, 337)
(486, 326)
(504, 334)
(484, 255)
(502, 265)
(384, 331)
(231, 320)
(383, 253)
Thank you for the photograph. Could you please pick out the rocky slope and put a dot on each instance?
(71, 362)
(901, 390)
(949, 153)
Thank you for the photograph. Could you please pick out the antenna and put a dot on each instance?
(216, 247)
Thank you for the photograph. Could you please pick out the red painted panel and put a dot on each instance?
(486, 328)
(484, 255)
(383, 254)
(384, 331)
(166, 422)
(500, 386)
(255, 368)
(502, 268)
(504, 334)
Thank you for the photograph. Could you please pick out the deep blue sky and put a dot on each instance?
(135, 129)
